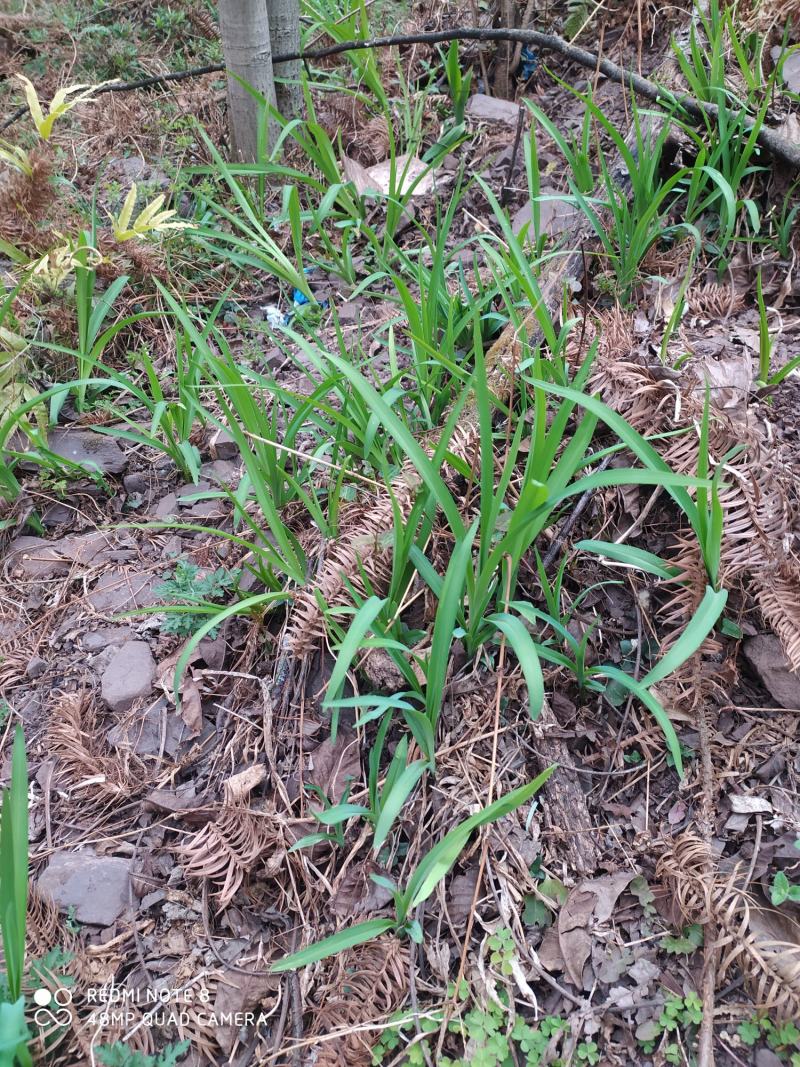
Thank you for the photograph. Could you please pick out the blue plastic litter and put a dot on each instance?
(299, 298)
(529, 63)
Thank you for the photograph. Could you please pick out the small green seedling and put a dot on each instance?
(783, 890)
(119, 1055)
(189, 586)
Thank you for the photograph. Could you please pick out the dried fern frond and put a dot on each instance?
(25, 198)
(226, 850)
(762, 943)
(778, 597)
(82, 753)
(366, 983)
(759, 495)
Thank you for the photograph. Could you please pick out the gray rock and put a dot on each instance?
(136, 483)
(86, 548)
(765, 1057)
(97, 887)
(129, 676)
(223, 446)
(33, 557)
(490, 109)
(121, 590)
(221, 472)
(97, 640)
(167, 507)
(554, 215)
(143, 734)
(765, 655)
(36, 667)
(56, 515)
(92, 451)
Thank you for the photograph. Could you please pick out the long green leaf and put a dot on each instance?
(651, 703)
(527, 657)
(436, 863)
(357, 631)
(697, 630)
(330, 946)
(451, 601)
(630, 556)
(392, 804)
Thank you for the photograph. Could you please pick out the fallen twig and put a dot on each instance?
(778, 147)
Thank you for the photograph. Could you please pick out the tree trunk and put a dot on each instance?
(244, 26)
(284, 28)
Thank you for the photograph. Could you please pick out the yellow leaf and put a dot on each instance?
(15, 157)
(158, 221)
(59, 102)
(34, 106)
(123, 222)
(146, 214)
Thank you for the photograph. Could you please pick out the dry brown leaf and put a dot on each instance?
(240, 785)
(334, 764)
(357, 893)
(191, 705)
(591, 901)
(378, 178)
(460, 896)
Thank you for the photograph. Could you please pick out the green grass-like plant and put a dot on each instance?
(14, 1032)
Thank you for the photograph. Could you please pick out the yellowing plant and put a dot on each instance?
(150, 219)
(55, 267)
(59, 105)
(15, 389)
(16, 157)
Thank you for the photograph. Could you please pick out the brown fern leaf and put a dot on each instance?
(363, 550)
(369, 144)
(203, 22)
(24, 199)
(366, 984)
(81, 750)
(763, 944)
(712, 301)
(778, 597)
(227, 849)
(759, 495)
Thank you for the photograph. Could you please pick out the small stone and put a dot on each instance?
(491, 109)
(33, 557)
(221, 472)
(92, 451)
(97, 640)
(167, 507)
(173, 547)
(121, 590)
(136, 483)
(223, 446)
(765, 655)
(555, 216)
(97, 887)
(129, 676)
(143, 734)
(765, 1057)
(186, 492)
(36, 667)
(152, 899)
(56, 515)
